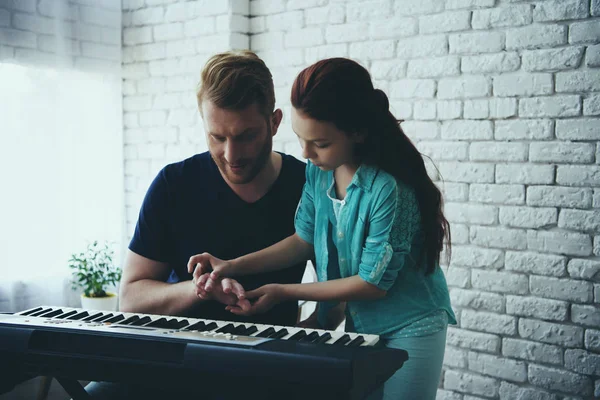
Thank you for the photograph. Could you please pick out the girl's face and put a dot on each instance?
(323, 143)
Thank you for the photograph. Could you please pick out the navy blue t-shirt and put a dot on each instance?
(189, 209)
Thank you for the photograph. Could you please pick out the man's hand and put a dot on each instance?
(266, 297)
(226, 291)
(213, 267)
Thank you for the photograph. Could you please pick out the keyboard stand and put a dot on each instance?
(74, 388)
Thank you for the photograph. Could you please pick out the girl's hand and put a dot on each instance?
(266, 297)
(227, 291)
(205, 263)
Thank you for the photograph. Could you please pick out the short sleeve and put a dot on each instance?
(151, 238)
(392, 226)
(304, 220)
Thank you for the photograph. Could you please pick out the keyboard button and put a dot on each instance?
(343, 340)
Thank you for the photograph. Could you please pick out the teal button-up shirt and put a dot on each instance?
(376, 235)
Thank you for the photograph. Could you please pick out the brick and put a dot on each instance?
(477, 257)
(424, 110)
(496, 151)
(367, 10)
(473, 340)
(477, 300)
(536, 36)
(551, 332)
(556, 196)
(99, 16)
(345, 32)
(410, 7)
(578, 81)
(454, 192)
(585, 32)
(591, 106)
(502, 194)
(422, 46)
(585, 315)
(316, 53)
(467, 172)
(524, 173)
(555, 106)
(458, 277)
(535, 307)
(412, 88)
(440, 150)
(509, 391)
(595, 8)
(402, 110)
(393, 28)
(445, 22)
(312, 37)
(578, 175)
(331, 14)
(561, 289)
(559, 380)
(532, 351)
(495, 237)
(433, 67)
(552, 59)
(471, 383)
(569, 243)
(373, 50)
(291, 20)
(500, 108)
(523, 129)
(456, 4)
(527, 217)
(584, 269)
(592, 56)
(478, 42)
(558, 10)
(596, 198)
(447, 394)
(467, 130)
(472, 86)
(267, 41)
(502, 282)
(491, 63)
(522, 84)
(535, 263)
(199, 27)
(592, 340)
(515, 15)
(581, 220)
(132, 36)
(449, 109)
(498, 367)
(582, 361)
(265, 7)
(580, 129)
(4, 17)
(562, 152)
(455, 357)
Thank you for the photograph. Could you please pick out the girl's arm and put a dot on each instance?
(344, 289)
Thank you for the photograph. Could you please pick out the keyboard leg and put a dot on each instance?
(74, 388)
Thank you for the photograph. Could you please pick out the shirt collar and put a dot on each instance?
(365, 176)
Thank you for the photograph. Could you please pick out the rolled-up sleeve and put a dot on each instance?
(304, 220)
(392, 226)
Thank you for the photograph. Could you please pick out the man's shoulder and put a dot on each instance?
(294, 168)
(197, 168)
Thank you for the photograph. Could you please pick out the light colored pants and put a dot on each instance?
(419, 377)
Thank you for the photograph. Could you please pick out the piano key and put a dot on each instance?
(198, 326)
(52, 313)
(116, 318)
(245, 330)
(130, 320)
(102, 318)
(210, 327)
(311, 337)
(31, 311)
(180, 324)
(67, 314)
(298, 335)
(267, 332)
(92, 317)
(324, 338)
(44, 311)
(343, 340)
(356, 341)
(78, 316)
(226, 329)
(142, 321)
(279, 334)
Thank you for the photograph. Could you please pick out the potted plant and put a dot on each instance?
(94, 271)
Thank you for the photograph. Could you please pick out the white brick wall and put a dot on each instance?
(502, 94)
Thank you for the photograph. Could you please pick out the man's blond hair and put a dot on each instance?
(236, 79)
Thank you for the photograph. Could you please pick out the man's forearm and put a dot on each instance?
(155, 297)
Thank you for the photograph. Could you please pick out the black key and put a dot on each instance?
(180, 324)
(52, 314)
(226, 329)
(239, 330)
(160, 323)
(103, 318)
(323, 338)
(343, 340)
(92, 317)
(31, 311)
(129, 320)
(279, 334)
(357, 341)
(68, 314)
(44, 311)
(198, 326)
(266, 333)
(78, 316)
(250, 330)
(298, 335)
(141, 321)
(116, 318)
(311, 337)
(211, 326)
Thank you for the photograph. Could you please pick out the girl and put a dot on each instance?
(373, 219)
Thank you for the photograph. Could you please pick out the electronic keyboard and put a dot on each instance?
(76, 344)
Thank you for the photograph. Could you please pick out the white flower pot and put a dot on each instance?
(108, 303)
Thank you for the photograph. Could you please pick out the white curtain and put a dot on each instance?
(61, 147)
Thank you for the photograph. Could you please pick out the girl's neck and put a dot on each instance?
(343, 176)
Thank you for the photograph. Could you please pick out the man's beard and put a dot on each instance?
(252, 166)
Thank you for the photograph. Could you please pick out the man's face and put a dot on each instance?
(240, 141)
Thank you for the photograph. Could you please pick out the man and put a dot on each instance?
(237, 198)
